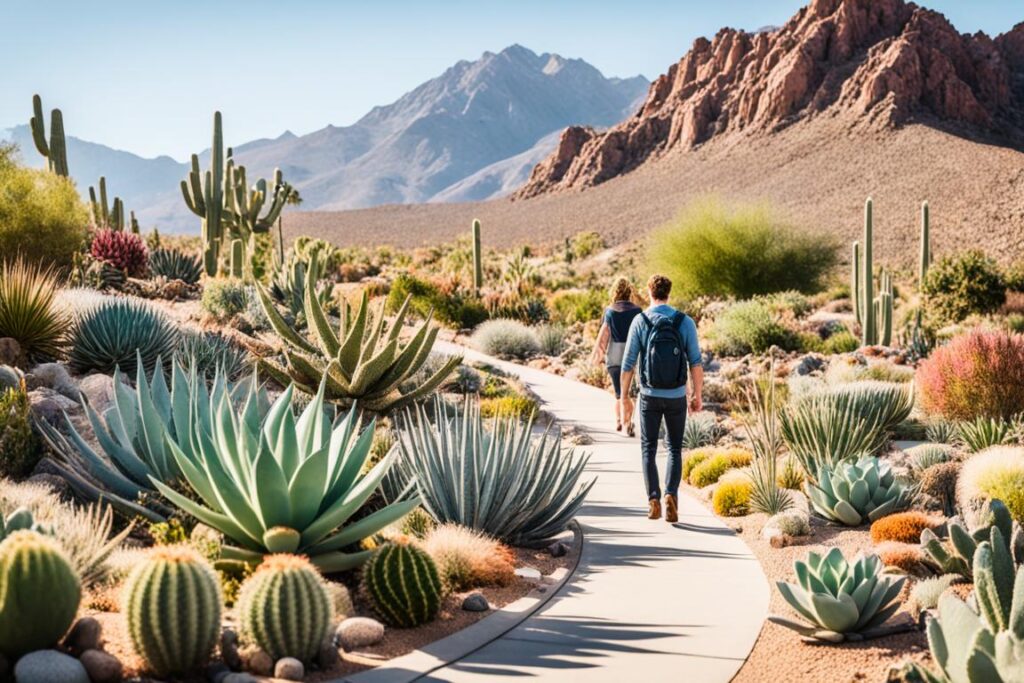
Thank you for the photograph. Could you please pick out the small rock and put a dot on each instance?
(558, 549)
(102, 667)
(328, 657)
(528, 573)
(475, 602)
(229, 649)
(257, 661)
(779, 540)
(357, 632)
(49, 405)
(98, 390)
(809, 364)
(86, 634)
(290, 669)
(10, 351)
(217, 672)
(49, 666)
(52, 376)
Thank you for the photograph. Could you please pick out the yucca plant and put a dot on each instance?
(278, 484)
(27, 311)
(498, 480)
(853, 493)
(115, 332)
(174, 264)
(984, 432)
(839, 599)
(761, 425)
(363, 361)
(701, 429)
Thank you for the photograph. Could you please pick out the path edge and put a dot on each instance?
(459, 645)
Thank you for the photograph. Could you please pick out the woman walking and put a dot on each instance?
(611, 343)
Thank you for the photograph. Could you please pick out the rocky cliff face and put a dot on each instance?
(886, 62)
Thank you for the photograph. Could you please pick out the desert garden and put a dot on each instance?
(228, 456)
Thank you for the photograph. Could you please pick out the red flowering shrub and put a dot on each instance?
(977, 374)
(121, 249)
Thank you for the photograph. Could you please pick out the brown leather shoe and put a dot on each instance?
(655, 509)
(671, 509)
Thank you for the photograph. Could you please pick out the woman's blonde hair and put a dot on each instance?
(621, 290)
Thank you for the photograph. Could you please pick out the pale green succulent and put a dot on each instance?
(277, 484)
(361, 361)
(860, 492)
(984, 432)
(838, 599)
(955, 554)
(927, 454)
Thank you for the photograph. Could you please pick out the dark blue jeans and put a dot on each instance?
(652, 412)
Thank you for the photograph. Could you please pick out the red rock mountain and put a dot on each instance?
(880, 63)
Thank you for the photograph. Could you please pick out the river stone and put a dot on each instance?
(102, 667)
(49, 666)
(257, 661)
(357, 632)
(290, 669)
(558, 549)
(86, 634)
(528, 573)
(475, 602)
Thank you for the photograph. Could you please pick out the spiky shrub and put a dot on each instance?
(791, 523)
(28, 313)
(468, 559)
(404, 585)
(954, 556)
(278, 484)
(761, 425)
(551, 339)
(224, 298)
(694, 458)
(34, 565)
(853, 493)
(958, 286)
(285, 608)
(994, 473)
(122, 249)
(939, 482)
(903, 527)
(19, 450)
(926, 593)
(984, 432)
(172, 607)
(924, 456)
(506, 338)
(117, 331)
(521, 407)
(837, 598)
(939, 431)
(361, 362)
(979, 373)
(732, 498)
(491, 475)
(175, 264)
(791, 476)
(212, 352)
(710, 470)
(701, 429)
(749, 327)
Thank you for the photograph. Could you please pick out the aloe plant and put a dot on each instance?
(860, 492)
(277, 484)
(361, 361)
(955, 554)
(839, 600)
(497, 480)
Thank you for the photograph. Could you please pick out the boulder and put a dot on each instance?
(289, 669)
(101, 666)
(52, 376)
(356, 632)
(49, 405)
(475, 602)
(98, 390)
(49, 666)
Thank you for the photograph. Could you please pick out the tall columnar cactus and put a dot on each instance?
(868, 278)
(855, 282)
(926, 245)
(873, 313)
(478, 271)
(172, 604)
(204, 196)
(39, 593)
(105, 215)
(245, 203)
(55, 150)
(285, 608)
(404, 584)
(237, 263)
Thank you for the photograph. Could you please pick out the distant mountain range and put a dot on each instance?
(473, 133)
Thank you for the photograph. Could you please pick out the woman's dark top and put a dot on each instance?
(619, 316)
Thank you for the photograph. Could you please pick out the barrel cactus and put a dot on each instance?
(839, 599)
(124, 250)
(860, 492)
(19, 520)
(172, 604)
(39, 593)
(285, 608)
(404, 584)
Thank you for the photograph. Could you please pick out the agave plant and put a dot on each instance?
(288, 285)
(860, 492)
(211, 353)
(174, 264)
(27, 310)
(498, 480)
(839, 600)
(277, 484)
(362, 361)
(984, 432)
(955, 555)
(115, 332)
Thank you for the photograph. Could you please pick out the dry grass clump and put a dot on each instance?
(996, 472)
(468, 559)
(903, 527)
(907, 558)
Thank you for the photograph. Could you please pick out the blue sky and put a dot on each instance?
(146, 75)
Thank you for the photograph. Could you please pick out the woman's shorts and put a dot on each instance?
(615, 372)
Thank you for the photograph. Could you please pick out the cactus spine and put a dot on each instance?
(172, 604)
(478, 270)
(39, 593)
(55, 150)
(926, 246)
(404, 584)
(285, 608)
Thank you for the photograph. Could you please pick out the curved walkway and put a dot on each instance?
(649, 601)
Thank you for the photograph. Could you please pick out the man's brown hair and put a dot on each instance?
(660, 287)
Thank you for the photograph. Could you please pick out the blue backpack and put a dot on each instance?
(663, 361)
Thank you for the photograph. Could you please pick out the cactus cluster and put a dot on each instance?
(404, 584)
(39, 593)
(111, 216)
(874, 314)
(285, 608)
(172, 606)
(55, 149)
(125, 251)
(19, 520)
(955, 556)
(175, 265)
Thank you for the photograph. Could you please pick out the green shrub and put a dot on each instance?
(710, 249)
(841, 342)
(794, 303)
(506, 338)
(19, 451)
(27, 310)
(552, 339)
(576, 306)
(958, 286)
(454, 310)
(1015, 277)
(709, 470)
(508, 406)
(731, 499)
(749, 327)
(585, 244)
(42, 216)
(224, 298)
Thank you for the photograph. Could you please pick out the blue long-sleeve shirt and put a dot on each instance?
(637, 340)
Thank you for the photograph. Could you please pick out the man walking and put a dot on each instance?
(663, 341)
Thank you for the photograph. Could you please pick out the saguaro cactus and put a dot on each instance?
(478, 270)
(204, 196)
(867, 279)
(855, 282)
(926, 246)
(105, 215)
(873, 313)
(55, 150)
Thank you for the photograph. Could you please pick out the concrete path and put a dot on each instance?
(650, 601)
